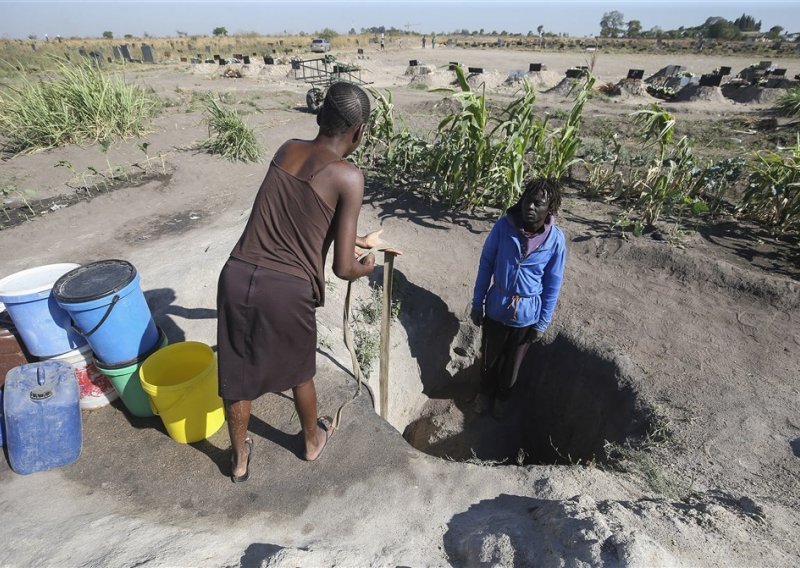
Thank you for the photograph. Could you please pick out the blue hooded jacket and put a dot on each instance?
(523, 291)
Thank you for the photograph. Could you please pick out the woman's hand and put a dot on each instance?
(368, 261)
(373, 240)
(370, 240)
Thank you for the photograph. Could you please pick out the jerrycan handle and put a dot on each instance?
(41, 392)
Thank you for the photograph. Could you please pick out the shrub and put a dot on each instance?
(773, 193)
(229, 136)
(81, 104)
(789, 103)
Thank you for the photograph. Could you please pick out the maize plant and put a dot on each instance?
(656, 126)
(562, 147)
(462, 151)
(669, 186)
(773, 194)
(474, 159)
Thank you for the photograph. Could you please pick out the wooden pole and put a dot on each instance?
(386, 324)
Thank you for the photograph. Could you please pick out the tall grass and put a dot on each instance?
(789, 103)
(79, 104)
(229, 136)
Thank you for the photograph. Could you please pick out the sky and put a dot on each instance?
(577, 18)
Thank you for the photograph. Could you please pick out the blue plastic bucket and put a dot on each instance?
(108, 308)
(45, 328)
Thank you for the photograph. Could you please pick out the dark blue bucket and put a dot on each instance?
(108, 308)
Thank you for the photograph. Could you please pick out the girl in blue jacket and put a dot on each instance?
(519, 278)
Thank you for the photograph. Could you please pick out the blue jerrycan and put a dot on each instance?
(43, 416)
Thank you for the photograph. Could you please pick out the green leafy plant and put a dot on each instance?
(229, 136)
(773, 193)
(789, 103)
(473, 158)
(718, 178)
(366, 327)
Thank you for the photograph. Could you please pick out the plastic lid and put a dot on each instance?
(33, 280)
(94, 281)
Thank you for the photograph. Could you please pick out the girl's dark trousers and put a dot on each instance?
(502, 350)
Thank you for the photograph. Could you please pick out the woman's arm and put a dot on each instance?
(351, 193)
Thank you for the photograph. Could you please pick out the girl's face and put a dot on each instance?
(535, 207)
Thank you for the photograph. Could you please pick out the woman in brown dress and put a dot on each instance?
(273, 281)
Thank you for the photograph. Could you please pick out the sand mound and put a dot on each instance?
(437, 79)
(492, 79)
(629, 89)
(237, 70)
(564, 87)
(204, 68)
(693, 92)
(420, 70)
(544, 79)
(751, 94)
(445, 106)
(277, 71)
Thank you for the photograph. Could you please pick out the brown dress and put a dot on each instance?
(269, 288)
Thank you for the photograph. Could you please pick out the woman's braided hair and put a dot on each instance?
(346, 105)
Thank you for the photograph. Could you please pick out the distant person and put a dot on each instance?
(423, 42)
(382, 41)
(273, 281)
(433, 41)
(516, 290)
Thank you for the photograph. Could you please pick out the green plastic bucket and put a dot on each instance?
(126, 382)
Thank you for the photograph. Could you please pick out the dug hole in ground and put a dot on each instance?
(655, 425)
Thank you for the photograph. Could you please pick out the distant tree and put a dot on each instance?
(327, 33)
(181, 34)
(540, 29)
(611, 24)
(32, 37)
(775, 32)
(634, 29)
(720, 28)
(352, 31)
(747, 23)
(220, 31)
(108, 35)
(482, 32)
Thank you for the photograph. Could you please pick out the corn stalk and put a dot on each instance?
(773, 194)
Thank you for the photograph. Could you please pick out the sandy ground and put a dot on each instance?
(706, 335)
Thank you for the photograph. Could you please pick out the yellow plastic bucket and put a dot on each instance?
(181, 380)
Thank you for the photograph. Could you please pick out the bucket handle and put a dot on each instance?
(171, 406)
(102, 320)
